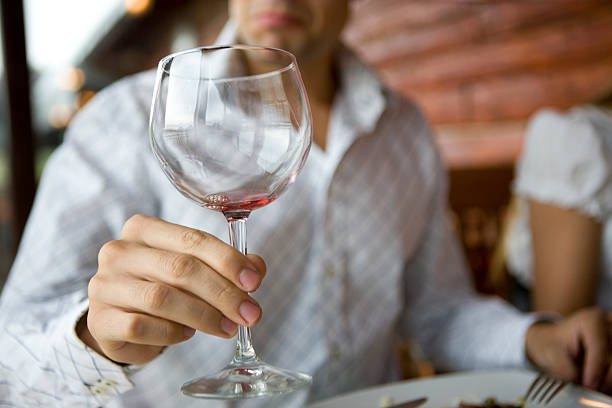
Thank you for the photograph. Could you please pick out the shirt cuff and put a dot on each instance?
(506, 343)
(96, 375)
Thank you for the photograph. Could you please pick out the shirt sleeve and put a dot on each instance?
(566, 161)
(81, 204)
(457, 328)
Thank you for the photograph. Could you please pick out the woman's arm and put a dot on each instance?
(566, 252)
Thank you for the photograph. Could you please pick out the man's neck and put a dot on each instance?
(321, 86)
(320, 80)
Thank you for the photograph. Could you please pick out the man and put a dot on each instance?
(357, 251)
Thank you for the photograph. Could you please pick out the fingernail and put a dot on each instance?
(228, 326)
(249, 312)
(189, 332)
(249, 279)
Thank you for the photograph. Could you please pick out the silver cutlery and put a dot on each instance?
(543, 389)
(410, 404)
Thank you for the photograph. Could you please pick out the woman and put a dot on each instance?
(560, 243)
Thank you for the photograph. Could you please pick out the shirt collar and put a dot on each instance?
(360, 88)
(228, 34)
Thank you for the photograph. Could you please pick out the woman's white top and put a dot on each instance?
(567, 162)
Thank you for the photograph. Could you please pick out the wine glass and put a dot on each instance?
(231, 128)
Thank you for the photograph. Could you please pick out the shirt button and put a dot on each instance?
(334, 352)
(107, 383)
(329, 272)
(385, 402)
(98, 389)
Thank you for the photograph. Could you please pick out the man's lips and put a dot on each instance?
(277, 19)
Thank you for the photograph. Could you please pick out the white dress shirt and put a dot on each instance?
(567, 162)
(358, 250)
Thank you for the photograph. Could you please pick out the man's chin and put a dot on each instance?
(280, 40)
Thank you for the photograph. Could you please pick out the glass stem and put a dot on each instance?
(245, 353)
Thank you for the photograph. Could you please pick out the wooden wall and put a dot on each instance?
(473, 61)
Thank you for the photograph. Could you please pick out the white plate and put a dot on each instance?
(447, 390)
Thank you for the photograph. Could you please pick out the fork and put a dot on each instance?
(543, 389)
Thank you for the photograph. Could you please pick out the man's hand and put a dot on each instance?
(578, 348)
(159, 283)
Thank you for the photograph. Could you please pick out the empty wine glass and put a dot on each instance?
(231, 128)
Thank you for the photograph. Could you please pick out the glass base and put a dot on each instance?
(240, 381)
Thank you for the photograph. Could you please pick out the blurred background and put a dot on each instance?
(479, 69)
